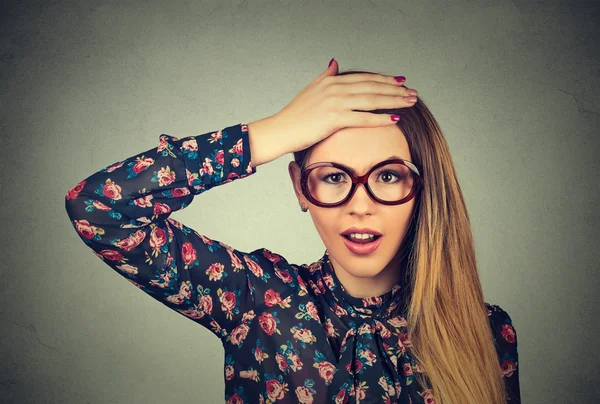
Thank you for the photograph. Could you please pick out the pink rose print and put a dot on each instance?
(235, 261)
(163, 143)
(259, 355)
(111, 190)
(169, 260)
(281, 362)
(311, 309)
(215, 272)
(188, 254)
(111, 255)
(326, 371)
(321, 286)
(235, 162)
(237, 148)
(161, 209)
(283, 275)
(193, 314)
(268, 323)
(184, 293)
(114, 167)
(131, 242)
(165, 176)
(301, 283)
(228, 301)
(407, 369)
(329, 281)
(397, 322)
(369, 357)
(229, 372)
(339, 310)
(274, 258)
(207, 168)
(427, 396)
(508, 368)
(163, 280)
(360, 392)
(389, 389)
(235, 399)
(508, 332)
(158, 238)
(84, 228)
(220, 158)
(216, 136)
(341, 397)
(141, 164)
(249, 315)
(275, 390)
(100, 206)
(404, 340)
(304, 395)
(129, 269)
(189, 145)
(357, 365)
(272, 298)
(179, 192)
(303, 335)
(383, 331)
(239, 334)
(368, 301)
(330, 329)
(249, 374)
(206, 304)
(74, 192)
(253, 266)
(296, 362)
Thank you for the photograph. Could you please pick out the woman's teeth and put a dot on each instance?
(361, 236)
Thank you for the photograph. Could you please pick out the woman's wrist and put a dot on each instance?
(265, 140)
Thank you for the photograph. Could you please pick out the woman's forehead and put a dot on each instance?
(361, 148)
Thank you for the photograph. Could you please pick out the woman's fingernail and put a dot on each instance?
(330, 62)
(400, 79)
(395, 118)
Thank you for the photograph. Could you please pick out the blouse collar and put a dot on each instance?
(381, 306)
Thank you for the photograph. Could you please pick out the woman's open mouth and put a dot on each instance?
(364, 246)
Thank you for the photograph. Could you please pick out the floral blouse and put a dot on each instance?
(291, 333)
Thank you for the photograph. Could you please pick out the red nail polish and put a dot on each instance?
(330, 62)
(395, 118)
(400, 79)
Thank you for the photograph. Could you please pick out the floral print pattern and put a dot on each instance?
(291, 333)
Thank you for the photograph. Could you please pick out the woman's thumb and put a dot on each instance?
(332, 69)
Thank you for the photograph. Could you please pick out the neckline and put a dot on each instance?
(382, 305)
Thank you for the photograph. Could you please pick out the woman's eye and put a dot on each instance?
(386, 176)
(334, 178)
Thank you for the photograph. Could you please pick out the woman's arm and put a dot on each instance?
(122, 213)
(505, 337)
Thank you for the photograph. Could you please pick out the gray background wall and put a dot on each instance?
(514, 84)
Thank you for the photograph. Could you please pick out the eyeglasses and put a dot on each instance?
(390, 182)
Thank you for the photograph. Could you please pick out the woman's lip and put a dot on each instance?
(362, 249)
(362, 231)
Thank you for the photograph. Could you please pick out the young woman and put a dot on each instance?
(393, 312)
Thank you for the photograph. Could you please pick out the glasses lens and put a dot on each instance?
(390, 182)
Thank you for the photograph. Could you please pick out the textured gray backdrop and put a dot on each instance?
(83, 84)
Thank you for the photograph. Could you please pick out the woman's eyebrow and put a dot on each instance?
(392, 157)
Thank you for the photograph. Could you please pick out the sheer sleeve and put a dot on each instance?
(505, 340)
(122, 213)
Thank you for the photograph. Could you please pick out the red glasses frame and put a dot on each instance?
(363, 179)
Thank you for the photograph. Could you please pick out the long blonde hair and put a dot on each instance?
(448, 323)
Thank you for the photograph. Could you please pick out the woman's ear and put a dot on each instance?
(295, 173)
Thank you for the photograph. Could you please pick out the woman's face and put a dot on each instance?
(360, 149)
